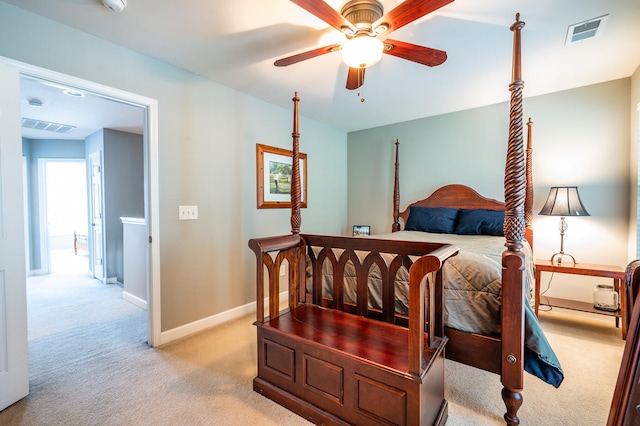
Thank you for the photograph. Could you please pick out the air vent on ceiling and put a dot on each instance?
(29, 123)
(585, 30)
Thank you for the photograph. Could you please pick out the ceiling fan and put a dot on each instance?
(365, 25)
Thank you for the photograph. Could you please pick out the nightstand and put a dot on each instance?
(586, 269)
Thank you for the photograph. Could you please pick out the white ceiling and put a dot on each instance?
(85, 114)
(235, 42)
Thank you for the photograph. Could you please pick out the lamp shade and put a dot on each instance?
(564, 201)
(362, 51)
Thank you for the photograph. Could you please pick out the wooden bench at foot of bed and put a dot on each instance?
(335, 367)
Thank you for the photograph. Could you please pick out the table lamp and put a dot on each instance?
(563, 201)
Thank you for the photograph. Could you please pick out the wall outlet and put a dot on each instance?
(187, 212)
(283, 270)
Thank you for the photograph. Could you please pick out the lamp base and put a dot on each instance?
(558, 257)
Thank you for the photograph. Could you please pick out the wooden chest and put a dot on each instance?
(332, 367)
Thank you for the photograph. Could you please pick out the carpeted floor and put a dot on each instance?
(90, 365)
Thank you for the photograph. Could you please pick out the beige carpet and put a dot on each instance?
(90, 365)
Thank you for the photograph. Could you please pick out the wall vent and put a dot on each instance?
(585, 30)
(29, 123)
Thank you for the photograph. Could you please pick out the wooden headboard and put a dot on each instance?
(462, 197)
(457, 197)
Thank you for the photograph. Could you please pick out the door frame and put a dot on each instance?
(43, 214)
(96, 247)
(25, 207)
(43, 207)
(151, 173)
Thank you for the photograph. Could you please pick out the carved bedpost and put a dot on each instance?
(296, 219)
(512, 310)
(396, 194)
(528, 201)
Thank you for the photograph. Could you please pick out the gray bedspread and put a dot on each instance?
(472, 282)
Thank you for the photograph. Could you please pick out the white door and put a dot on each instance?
(95, 162)
(14, 372)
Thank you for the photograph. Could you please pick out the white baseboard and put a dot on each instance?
(111, 280)
(135, 300)
(203, 324)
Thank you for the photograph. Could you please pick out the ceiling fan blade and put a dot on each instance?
(306, 55)
(413, 52)
(355, 78)
(325, 12)
(407, 12)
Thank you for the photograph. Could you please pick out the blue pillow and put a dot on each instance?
(440, 220)
(480, 222)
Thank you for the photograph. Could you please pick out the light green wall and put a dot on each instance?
(634, 164)
(467, 147)
(207, 138)
(580, 137)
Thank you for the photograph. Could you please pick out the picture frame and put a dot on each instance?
(273, 176)
(360, 230)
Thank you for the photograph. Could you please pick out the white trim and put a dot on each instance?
(45, 256)
(132, 220)
(95, 158)
(43, 207)
(153, 221)
(25, 206)
(152, 193)
(134, 299)
(213, 320)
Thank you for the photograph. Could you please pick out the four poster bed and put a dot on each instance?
(362, 340)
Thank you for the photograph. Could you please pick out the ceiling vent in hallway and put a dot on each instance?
(29, 123)
(585, 30)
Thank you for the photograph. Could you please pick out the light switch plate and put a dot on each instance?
(187, 212)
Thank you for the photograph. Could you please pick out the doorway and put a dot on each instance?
(63, 198)
(63, 179)
(148, 166)
(15, 377)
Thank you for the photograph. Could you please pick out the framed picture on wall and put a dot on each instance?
(359, 230)
(274, 167)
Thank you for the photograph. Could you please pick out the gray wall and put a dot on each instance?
(207, 157)
(580, 137)
(34, 150)
(122, 188)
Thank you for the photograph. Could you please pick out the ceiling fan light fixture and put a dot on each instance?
(362, 51)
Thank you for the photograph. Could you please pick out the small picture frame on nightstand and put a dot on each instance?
(359, 230)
